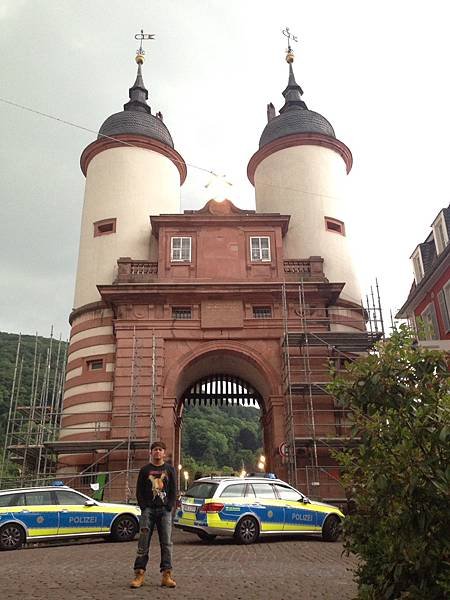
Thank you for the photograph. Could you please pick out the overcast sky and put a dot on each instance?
(377, 71)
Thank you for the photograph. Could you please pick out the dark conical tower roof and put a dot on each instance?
(294, 117)
(136, 117)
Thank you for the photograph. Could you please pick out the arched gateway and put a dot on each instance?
(245, 376)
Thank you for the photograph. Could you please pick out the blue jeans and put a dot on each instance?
(162, 518)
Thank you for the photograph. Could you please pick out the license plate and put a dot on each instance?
(189, 508)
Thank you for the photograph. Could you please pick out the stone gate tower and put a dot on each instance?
(204, 305)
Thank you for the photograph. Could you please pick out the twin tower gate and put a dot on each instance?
(282, 367)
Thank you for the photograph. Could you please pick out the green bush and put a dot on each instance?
(399, 473)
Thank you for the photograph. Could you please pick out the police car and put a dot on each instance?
(250, 507)
(39, 513)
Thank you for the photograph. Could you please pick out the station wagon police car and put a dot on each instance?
(250, 507)
(40, 513)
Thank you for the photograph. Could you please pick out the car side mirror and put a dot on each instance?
(305, 500)
(90, 503)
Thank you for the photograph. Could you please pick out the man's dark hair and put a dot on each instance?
(158, 445)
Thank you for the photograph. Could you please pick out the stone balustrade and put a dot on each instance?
(145, 271)
(308, 268)
(136, 271)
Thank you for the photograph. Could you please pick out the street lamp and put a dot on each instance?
(179, 476)
(186, 479)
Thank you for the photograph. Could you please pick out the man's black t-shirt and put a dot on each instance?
(156, 486)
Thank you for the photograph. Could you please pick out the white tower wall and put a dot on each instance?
(309, 183)
(129, 185)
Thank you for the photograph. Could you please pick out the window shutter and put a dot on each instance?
(444, 310)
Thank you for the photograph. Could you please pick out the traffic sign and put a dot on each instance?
(283, 449)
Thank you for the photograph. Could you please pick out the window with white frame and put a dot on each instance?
(440, 234)
(417, 265)
(430, 328)
(444, 305)
(180, 249)
(260, 249)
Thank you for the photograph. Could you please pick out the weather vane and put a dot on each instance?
(289, 35)
(140, 52)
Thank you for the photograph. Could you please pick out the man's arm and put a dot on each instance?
(140, 488)
(172, 488)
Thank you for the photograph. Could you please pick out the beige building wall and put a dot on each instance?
(309, 183)
(129, 185)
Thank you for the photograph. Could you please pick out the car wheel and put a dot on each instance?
(331, 528)
(124, 528)
(247, 530)
(206, 537)
(12, 537)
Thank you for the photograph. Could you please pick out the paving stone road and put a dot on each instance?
(273, 569)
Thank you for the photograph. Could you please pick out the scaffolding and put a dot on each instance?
(34, 419)
(318, 338)
(32, 428)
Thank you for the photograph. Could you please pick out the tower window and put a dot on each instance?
(180, 249)
(104, 227)
(262, 312)
(260, 249)
(334, 225)
(94, 364)
(181, 312)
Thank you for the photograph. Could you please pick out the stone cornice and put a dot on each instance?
(299, 139)
(203, 219)
(76, 312)
(139, 291)
(124, 140)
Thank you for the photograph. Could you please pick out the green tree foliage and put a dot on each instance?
(216, 439)
(399, 474)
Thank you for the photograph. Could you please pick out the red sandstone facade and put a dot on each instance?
(218, 294)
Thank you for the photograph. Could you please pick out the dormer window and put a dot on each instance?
(440, 233)
(180, 249)
(417, 265)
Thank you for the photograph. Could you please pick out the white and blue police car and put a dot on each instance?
(250, 507)
(40, 513)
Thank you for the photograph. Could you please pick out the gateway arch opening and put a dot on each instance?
(222, 428)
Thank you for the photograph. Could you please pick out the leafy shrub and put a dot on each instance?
(399, 473)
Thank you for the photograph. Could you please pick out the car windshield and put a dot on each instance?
(201, 489)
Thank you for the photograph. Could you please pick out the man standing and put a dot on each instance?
(156, 494)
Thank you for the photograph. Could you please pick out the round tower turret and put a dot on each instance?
(132, 171)
(301, 169)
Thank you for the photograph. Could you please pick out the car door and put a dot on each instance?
(266, 506)
(75, 516)
(235, 504)
(298, 514)
(39, 514)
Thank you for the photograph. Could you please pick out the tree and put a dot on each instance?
(399, 473)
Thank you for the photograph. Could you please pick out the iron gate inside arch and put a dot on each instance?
(221, 390)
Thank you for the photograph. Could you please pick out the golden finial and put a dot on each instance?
(289, 56)
(289, 51)
(140, 52)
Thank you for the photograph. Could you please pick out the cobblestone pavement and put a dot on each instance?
(273, 569)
